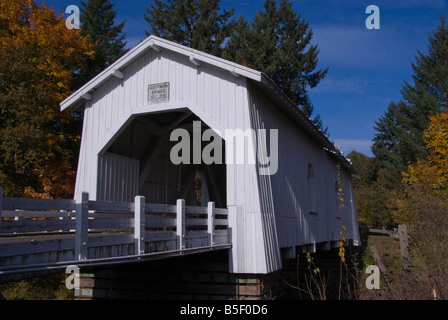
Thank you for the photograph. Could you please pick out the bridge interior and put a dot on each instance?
(147, 140)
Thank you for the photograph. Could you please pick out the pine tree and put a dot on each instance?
(237, 49)
(399, 137)
(278, 43)
(97, 18)
(199, 24)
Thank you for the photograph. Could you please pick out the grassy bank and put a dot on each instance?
(50, 287)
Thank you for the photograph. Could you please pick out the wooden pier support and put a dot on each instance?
(203, 276)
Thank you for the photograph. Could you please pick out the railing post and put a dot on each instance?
(81, 229)
(139, 225)
(180, 224)
(62, 218)
(18, 216)
(211, 223)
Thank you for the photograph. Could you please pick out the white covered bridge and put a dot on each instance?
(138, 114)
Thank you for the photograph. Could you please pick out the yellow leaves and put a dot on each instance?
(340, 197)
(57, 180)
(39, 55)
(339, 184)
(436, 135)
(426, 181)
(436, 139)
(341, 244)
(31, 26)
(432, 172)
(341, 253)
(61, 85)
(38, 49)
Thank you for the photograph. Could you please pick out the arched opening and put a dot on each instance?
(139, 162)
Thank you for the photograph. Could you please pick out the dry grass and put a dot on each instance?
(420, 282)
(50, 287)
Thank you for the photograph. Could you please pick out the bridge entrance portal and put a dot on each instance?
(141, 161)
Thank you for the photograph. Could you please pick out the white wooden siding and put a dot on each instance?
(289, 186)
(117, 178)
(117, 102)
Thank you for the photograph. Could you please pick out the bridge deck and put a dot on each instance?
(38, 235)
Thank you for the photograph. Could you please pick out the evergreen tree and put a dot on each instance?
(278, 43)
(199, 24)
(237, 49)
(97, 18)
(399, 137)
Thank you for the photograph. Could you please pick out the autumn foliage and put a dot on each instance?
(428, 178)
(424, 207)
(39, 57)
(436, 139)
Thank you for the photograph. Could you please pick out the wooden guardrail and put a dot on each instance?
(46, 231)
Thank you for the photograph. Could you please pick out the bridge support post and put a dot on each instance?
(211, 223)
(180, 224)
(81, 231)
(139, 225)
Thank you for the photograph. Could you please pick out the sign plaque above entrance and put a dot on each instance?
(159, 92)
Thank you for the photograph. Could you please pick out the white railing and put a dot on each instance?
(41, 231)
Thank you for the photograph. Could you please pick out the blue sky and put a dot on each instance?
(367, 68)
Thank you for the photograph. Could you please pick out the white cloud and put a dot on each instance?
(358, 145)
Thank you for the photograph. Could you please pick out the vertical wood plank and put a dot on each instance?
(81, 231)
(180, 224)
(139, 225)
(211, 223)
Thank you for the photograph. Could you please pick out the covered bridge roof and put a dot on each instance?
(258, 79)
